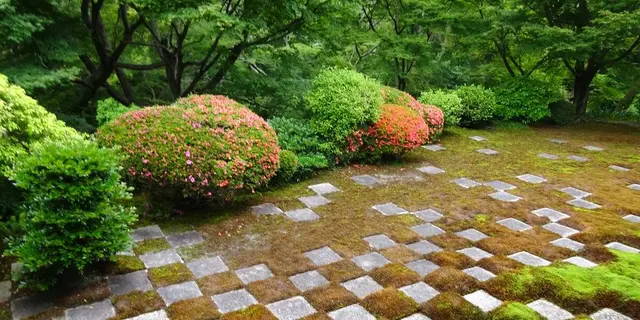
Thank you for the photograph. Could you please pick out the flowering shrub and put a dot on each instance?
(205, 147)
(430, 113)
(448, 102)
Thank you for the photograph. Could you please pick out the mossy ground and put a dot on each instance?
(136, 303)
(193, 309)
(170, 274)
(151, 245)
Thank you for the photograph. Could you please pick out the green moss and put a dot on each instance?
(515, 311)
(255, 312)
(151, 245)
(189, 253)
(125, 264)
(170, 274)
(136, 303)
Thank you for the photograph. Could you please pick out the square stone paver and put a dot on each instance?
(314, 201)
(474, 253)
(489, 152)
(5, 291)
(422, 267)
(308, 280)
(145, 233)
(28, 306)
(428, 215)
(559, 141)
(424, 247)
(434, 147)
(155, 315)
(531, 178)
(548, 156)
(472, 235)
(578, 158)
(584, 204)
(478, 138)
(593, 148)
(96, 311)
(427, 230)
(500, 185)
(549, 310)
(233, 301)
(622, 247)
(479, 274)
(365, 180)
(466, 183)
(179, 292)
(380, 241)
(185, 239)
(483, 300)
(632, 218)
(568, 243)
(514, 224)
(291, 309)
(634, 186)
(159, 259)
(609, 314)
(529, 259)
(430, 170)
(505, 196)
(560, 230)
(370, 261)
(389, 209)
(362, 286)
(420, 292)
(552, 215)
(323, 256)
(254, 273)
(416, 316)
(581, 262)
(352, 312)
(618, 168)
(125, 283)
(207, 266)
(323, 188)
(576, 193)
(266, 209)
(302, 215)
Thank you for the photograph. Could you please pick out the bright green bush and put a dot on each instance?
(563, 112)
(109, 109)
(341, 102)
(526, 100)
(297, 136)
(478, 105)
(72, 215)
(287, 167)
(448, 102)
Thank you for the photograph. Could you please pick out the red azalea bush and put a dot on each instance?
(435, 120)
(204, 147)
(431, 114)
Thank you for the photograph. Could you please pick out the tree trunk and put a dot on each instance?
(402, 83)
(581, 87)
(631, 94)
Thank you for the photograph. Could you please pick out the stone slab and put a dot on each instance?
(531, 178)
(548, 156)
(574, 192)
(489, 152)
(622, 247)
(430, 170)
(207, 266)
(422, 267)
(514, 224)
(577, 158)
(178, 292)
(609, 314)
(28, 306)
(145, 233)
(472, 235)
(558, 141)
(478, 138)
(568, 243)
(500, 185)
(291, 309)
(479, 273)
(370, 261)
(365, 180)
(155, 315)
(420, 292)
(466, 183)
(551, 214)
(302, 215)
(308, 280)
(560, 230)
(529, 259)
(483, 300)
(96, 311)
(233, 301)
(125, 283)
(584, 204)
(254, 273)
(266, 209)
(592, 148)
(618, 168)
(549, 310)
(434, 147)
(427, 230)
(314, 201)
(474, 253)
(159, 259)
(424, 247)
(380, 241)
(428, 215)
(352, 312)
(5, 291)
(323, 256)
(505, 196)
(389, 209)
(323, 188)
(581, 262)
(634, 186)
(188, 238)
(417, 316)
(362, 287)
(632, 218)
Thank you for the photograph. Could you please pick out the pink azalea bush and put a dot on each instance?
(432, 115)
(204, 147)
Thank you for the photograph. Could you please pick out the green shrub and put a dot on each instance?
(72, 215)
(287, 168)
(448, 102)
(341, 102)
(109, 109)
(526, 100)
(297, 136)
(563, 112)
(478, 105)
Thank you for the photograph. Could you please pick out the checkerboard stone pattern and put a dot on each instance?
(574, 192)
(558, 141)
(434, 147)
(430, 170)
(474, 253)
(489, 152)
(362, 287)
(233, 300)
(529, 259)
(159, 259)
(254, 273)
(581, 262)
(417, 316)
(505, 196)
(632, 218)
(96, 311)
(134, 281)
(308, 280)
(548, 156)
(266, 209)
(422, 267)
(389, 209)
(577, 158)
(531, 178)
(472, 235)
(500, 185)
(428, 215)
(5, 291)
(427, 230)
(478, 138)
(380, 241)
(618, 168)
(568, 243)
(622, 247)
(466, 183)
(593, 148)
(323, 256)
(560, 230)
(302, 215)
(185, 239)
(314, 201)
(549, 310)
(178, 292)
(155, 315)
(352, 312)
(584, 204)
(365, 180)
(483, 300)
(146, 233)
(424, 247)
(634, 186)
(207, 266)
(551, 214)
(609, 314)
(514, 224)
(479, 273)
(323, 188)
(370, 261)
(420, 292)
(28, 306)
(291, 309)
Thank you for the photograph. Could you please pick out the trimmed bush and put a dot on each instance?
(478, 105)
(435, 120)
(526, 100)
(72, 215)
(563, 112)
(297, 136)
(109, 109)
(431, 114)
(448, 102)
(287, 168)
(202, 148)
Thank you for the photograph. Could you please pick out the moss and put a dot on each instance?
(136, 303)
(450, 279)
(125, 264)
(341, 271)
(451, 306)
(450, 241)
(170, 274)
(400, 254)
(193, 309)
(84, 294)
(451, 259)
(330, 298)
(190, 253)
(255, 312)
(272, 289)
(394, 275)
(151, 245)
(390, 303)
(53, 313)
(499, 264)
(219, 283)
(515, 311)
(5, 311)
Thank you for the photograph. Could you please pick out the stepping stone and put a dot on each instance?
(634, 186)
(622, 247)
(362, 286)
(531, 178)
(505, 196)
(207, 266)
(365, 180)
(417, 316)
(155, 315)
(514, 224)
(302, 215)
(552, 215)
(489, 152)
(578, 158)
(323, 256)
(548, 156)
(291, 309)
(134, 281)
(308, 280)
(352, 312)
(559, 141)
(420, 292)
(233, 301)
(370, 261)
(478, 138)
(145, 233)
(472, 235)
(422, 267)
(430, 170)
(466, 183)
(28, 306)
(632, 218)
(474, 253)
(314, 201)
(584, 204)
(479, 274)
(178, 292)
(609, 314)
(434, 147)
(576, 193)
(185, 239)
(618, 168)
(428, 215)
(323, 188)
(380, 241)
(159, 259)
(389, 209)
(424, 247)
(549, 310)
(254, 273)
(500, 186)
(266, 209)
(427, 230)
(560, 230)
(568, 243)
(96, 311)
(581, 262)
(5, 291)
(529, 259)
(483, 300)
(592, 148)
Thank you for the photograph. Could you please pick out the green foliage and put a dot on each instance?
(515, 311)
(287, 167)
(448, 102)
(478, 105)
(526, 100)
(109, 109)
(72, 215)
(296, 135)
(563, 112)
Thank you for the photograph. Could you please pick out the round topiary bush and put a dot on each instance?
(563, 112)
(448, 102)
(287, 167)
(203, 147)
(478, 105)
(430, 113)
(527, 100)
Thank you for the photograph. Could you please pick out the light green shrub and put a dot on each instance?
(109, 109)
(526, 100)
(478, 105)
(448, 102)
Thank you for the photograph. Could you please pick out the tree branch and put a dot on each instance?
(140, 67)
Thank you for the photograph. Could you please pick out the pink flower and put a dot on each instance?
(188, 154)
(189, 162)
(145, 161)
(192, 179)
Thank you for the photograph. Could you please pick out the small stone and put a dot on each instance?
(314, 201)
(479, 274)
(576, 193)
(609, 314)
(308, 280)
(549, 310)
(531, 178)
(529, 259)
(254, 273)
(28, 306)
(389, 209)
(434, 147)
(514, 224)
(417, 316)
(478, 138)
(159, 259)
(155, 315)
(593, 148)
(632, 218)
(552, 215)
(505, 196)
(134, 281)
(291, 309)
(578, 158)
(581, 203)
(424, 247)
(145, 233)
(474, 253)
(422, 267)
(5, 291)
(559, 141)
(634, 186)
(323, 188)
(266, 209)
(185, 239)
(179, 292)
(352, 312)
(489, 152)
(365, 180)
(207, 266)
(549, 156)
(380, 241)
(302, 215)
(430, 170)
(427, 230)
(472, 235)
(323, 256)
(622, 247)
(568, 243)
(420, 292)
(370, 261)
(96, 311)
(560, 230)
(500, 186)
(233, 301)
(16, 267)
(466, 183)
(618, 168)
(428, 215)
(483, 300)
(362, 286)
(581, 262)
